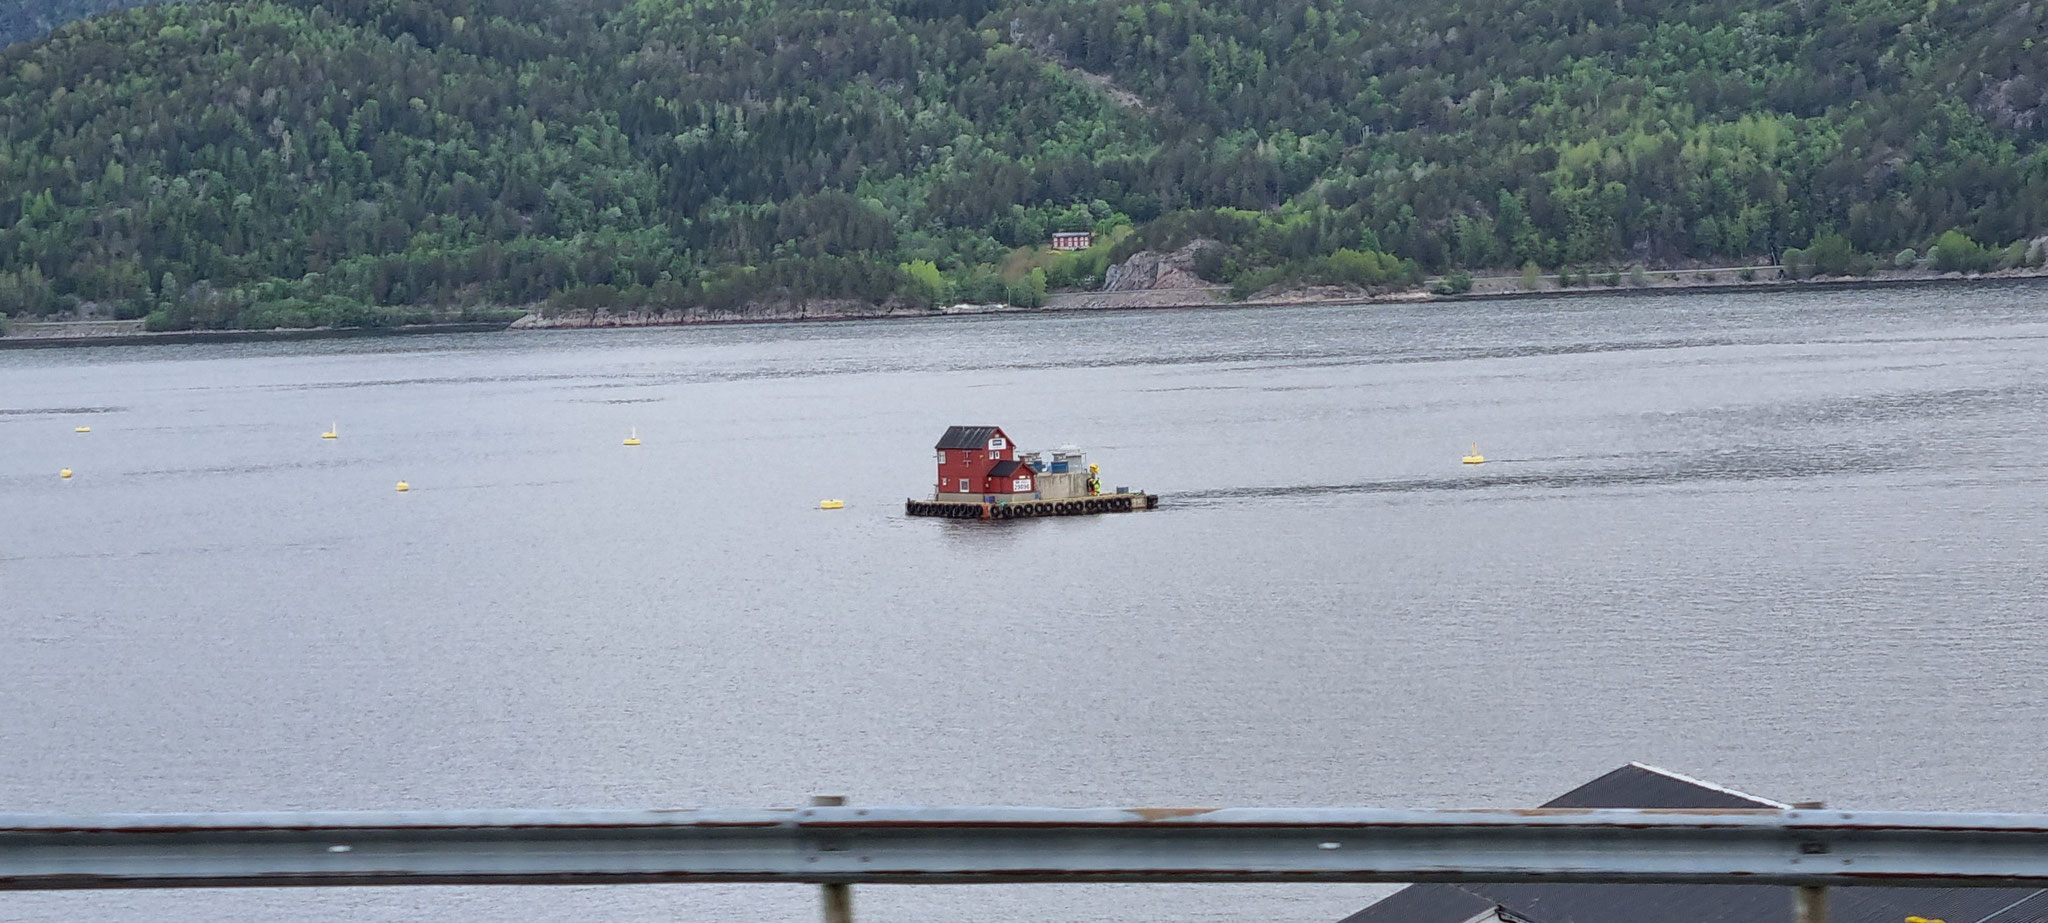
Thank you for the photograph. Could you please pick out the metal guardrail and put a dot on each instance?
(967, 845)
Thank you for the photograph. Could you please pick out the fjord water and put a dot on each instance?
(1791, 542)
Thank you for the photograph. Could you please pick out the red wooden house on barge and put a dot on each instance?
(983, 476)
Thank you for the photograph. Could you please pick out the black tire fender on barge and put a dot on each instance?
(1031, 509)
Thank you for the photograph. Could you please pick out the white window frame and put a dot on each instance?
(965, 488)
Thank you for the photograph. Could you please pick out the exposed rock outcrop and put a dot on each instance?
(1150, 271)
(1118, 301)
(56, 330)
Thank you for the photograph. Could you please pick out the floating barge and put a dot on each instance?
(1028, 509)
(983, 476)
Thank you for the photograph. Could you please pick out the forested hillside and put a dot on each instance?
(362, 161)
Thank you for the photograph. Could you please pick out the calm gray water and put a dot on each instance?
(1789, 542)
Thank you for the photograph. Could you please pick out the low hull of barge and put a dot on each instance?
(1033, 509)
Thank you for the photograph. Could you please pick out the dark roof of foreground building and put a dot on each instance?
(1004, 469)
(966, 437)
(1640, 786)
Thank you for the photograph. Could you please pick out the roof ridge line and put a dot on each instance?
(2005, 909)
(1711, 786)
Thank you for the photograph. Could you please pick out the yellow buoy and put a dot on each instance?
(83, 429)
(403, 487)
(633, 438)
(333, 432)
(1475, 458)
(831, 504)
(65, 474)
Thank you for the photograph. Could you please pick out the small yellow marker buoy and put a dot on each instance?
(83, 429)
(1475, 458)
(831, 504)
(633, 438)
(333, 432)
(65, 474)
(403, 487)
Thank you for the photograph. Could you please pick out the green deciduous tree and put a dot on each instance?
(1796, 264)
(1832, 254)
(922, 284)
(1954, 251)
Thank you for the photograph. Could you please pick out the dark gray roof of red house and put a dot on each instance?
(1004, 469)
(966, 437)
(1640, 786)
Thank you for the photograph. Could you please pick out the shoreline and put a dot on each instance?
(1830, 283)
(1058, 303)
(244, 336)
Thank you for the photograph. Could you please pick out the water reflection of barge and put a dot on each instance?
(983, 476)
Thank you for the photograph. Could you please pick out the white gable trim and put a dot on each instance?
(1723, 789)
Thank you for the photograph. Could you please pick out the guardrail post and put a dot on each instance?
(1810, 904)
(838, 899)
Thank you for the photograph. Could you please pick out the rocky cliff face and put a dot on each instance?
(1149, 271)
